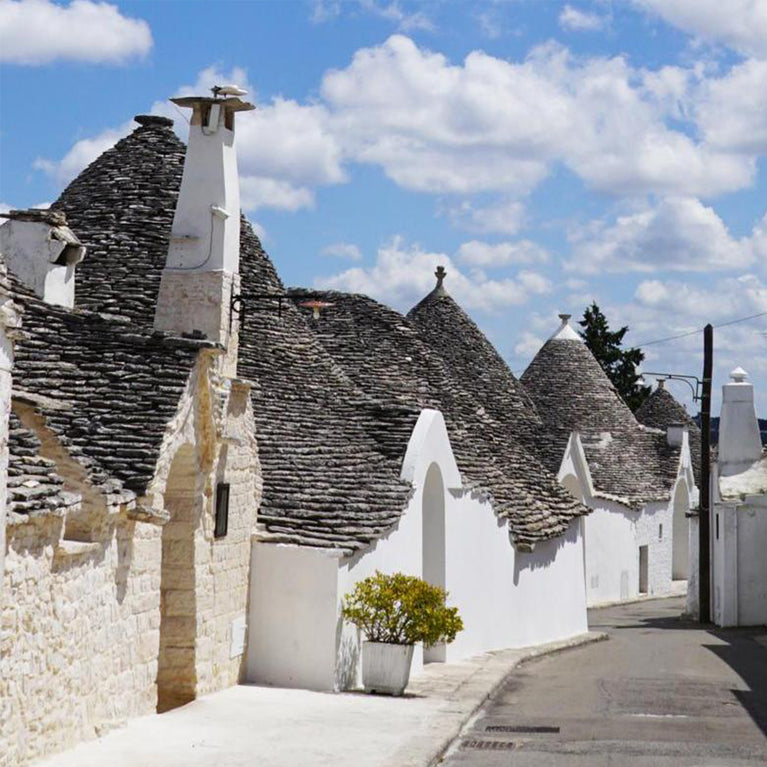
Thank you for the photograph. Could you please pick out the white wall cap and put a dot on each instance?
(739, 375)
(565, 332)
(430, 443)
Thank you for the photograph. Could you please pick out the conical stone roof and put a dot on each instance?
(327, 480)
(472, 361)
(661, 410)
(572, 393)
(386, 356)
(121, 207)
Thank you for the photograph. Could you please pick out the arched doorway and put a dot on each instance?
(680, 534)
(433, 544)
(176, 668)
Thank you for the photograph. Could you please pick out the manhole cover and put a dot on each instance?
(527, 728)
(489, 745)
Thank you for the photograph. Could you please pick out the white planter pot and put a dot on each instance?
(386, 667)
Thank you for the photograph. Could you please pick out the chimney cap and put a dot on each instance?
(147, 121)
(38, 216)
(739, 375)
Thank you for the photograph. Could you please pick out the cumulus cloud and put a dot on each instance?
(739, 24)
(82, 153)
(345, 250)
(493, 125)
(678, 234)
(404, 273)
(580, 21)
(478, 253)
(40, 32)
(730, 110)
(504, 217)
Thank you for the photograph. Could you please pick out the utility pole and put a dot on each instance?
(704, 506)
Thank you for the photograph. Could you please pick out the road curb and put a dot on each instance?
(472, 683)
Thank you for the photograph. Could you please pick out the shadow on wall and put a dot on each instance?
(348, 644)
(543, 555)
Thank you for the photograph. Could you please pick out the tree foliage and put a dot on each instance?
(620, 364)
(401, 609)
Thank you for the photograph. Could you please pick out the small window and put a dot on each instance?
(717, 527)
(222, 510)
(660, 532)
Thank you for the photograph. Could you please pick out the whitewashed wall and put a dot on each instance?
(613, 533)
(506, 599)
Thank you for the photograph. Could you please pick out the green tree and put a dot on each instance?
(620, 364)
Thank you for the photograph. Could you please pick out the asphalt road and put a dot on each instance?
(660, 692)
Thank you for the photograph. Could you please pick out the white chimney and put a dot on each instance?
(42, 252)
(201, 270)
(740, 443)
(675, 434)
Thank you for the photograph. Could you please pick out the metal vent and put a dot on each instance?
(489, 745)
(521, 728)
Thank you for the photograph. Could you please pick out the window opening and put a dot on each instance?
(222, 510)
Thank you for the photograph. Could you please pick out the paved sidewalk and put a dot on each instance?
(275, 727)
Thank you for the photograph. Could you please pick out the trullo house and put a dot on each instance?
(638, 480)
(198, 469)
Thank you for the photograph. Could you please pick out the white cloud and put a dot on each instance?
(479, 253)
(730, 110)
(82, 153)
(393, 12)
(5, 207)
(528, 345)
(403, 274)
(494, 125)
(346, 250)
(505, 217)
(261, 192)
(679, 234)
(740, 24)
(40, 32)
(580, 21)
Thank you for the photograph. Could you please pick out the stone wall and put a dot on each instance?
(81, 621)
(78, 633)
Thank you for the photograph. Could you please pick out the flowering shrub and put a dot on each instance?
(401, 609)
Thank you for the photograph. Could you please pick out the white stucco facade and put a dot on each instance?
(739, 512)
(506, 598)
(630, 552)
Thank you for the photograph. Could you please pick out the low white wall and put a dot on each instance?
(292, 617)
(613, 535)
(739, 567)
(506, 598)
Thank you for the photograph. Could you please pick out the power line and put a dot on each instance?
(699, 330)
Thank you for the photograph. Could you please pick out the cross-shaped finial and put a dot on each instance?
(440, 275)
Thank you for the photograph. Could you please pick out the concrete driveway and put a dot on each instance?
(661, 692)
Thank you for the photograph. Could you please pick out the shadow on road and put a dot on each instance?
(737, 647)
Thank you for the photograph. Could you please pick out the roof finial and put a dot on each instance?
(440, 275)
(661, 383)
(565, 318)
(739, 375)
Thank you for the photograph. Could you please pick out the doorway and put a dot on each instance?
(176, 666)
(644, 569)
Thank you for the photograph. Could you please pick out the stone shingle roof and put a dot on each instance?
(34, 487)
(121, 207)
(327, 481)
(107, 388)
(661, 410)
(329, 478)
(385, 355)
(572, 393)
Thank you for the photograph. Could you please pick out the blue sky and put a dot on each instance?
(547, 153)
